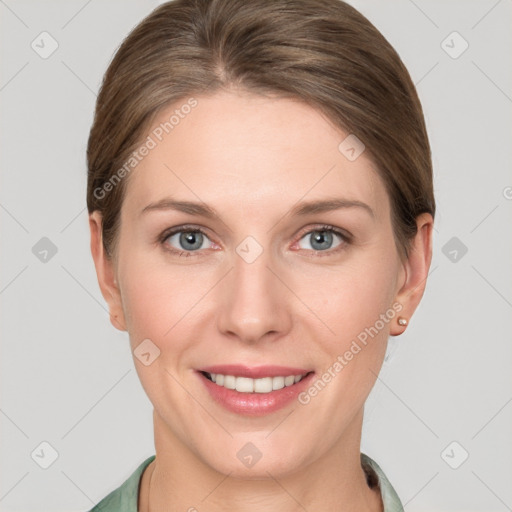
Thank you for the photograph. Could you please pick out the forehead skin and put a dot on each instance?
(252, 157)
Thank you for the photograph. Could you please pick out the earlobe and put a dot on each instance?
(416, 272)
(105, 273)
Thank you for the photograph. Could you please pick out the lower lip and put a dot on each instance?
(255, 404)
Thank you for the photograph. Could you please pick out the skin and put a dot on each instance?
(253, 158)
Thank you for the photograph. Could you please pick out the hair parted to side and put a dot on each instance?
(322, 52)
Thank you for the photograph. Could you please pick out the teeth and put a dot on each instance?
(263, 385)
(229, 381)
(278, 383)
(288, 381)
(248, 385)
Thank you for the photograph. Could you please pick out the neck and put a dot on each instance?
(178, 480)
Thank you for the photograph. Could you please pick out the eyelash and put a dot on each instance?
(346, 239)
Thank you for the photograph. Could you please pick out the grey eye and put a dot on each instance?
(320, 240)
(188, 240)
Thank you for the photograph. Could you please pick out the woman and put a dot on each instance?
(261, 210)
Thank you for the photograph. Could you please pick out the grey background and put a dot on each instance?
(67, 375)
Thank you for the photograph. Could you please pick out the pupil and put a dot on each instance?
(193, 239)
(322, 238)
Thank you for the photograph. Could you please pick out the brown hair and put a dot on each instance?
(322, 52)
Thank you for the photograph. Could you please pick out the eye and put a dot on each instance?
(185, 239)
(322, 239)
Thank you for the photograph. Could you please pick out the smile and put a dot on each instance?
(254, 390)
(248, 385)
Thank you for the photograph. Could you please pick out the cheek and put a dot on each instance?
(351, 298)
(365, 297)
(159, 305)
(355, 302)
(161, 302)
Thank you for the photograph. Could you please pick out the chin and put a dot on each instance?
(248, 458)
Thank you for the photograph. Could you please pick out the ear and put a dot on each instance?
(415, 269)
(105, 272)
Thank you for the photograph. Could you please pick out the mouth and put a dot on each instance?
(249, 385)
(254, 391)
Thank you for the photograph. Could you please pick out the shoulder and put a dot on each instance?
(124, 498)
(376, 477)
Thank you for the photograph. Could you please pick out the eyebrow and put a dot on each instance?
(302, 209)
(329, 205)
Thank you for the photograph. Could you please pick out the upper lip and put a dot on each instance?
(254, 372)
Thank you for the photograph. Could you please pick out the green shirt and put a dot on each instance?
(125, 497)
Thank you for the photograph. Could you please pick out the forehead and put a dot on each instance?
(241, 149)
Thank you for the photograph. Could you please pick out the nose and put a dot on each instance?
(254, 302)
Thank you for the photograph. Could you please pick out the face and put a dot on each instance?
(255, 284)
